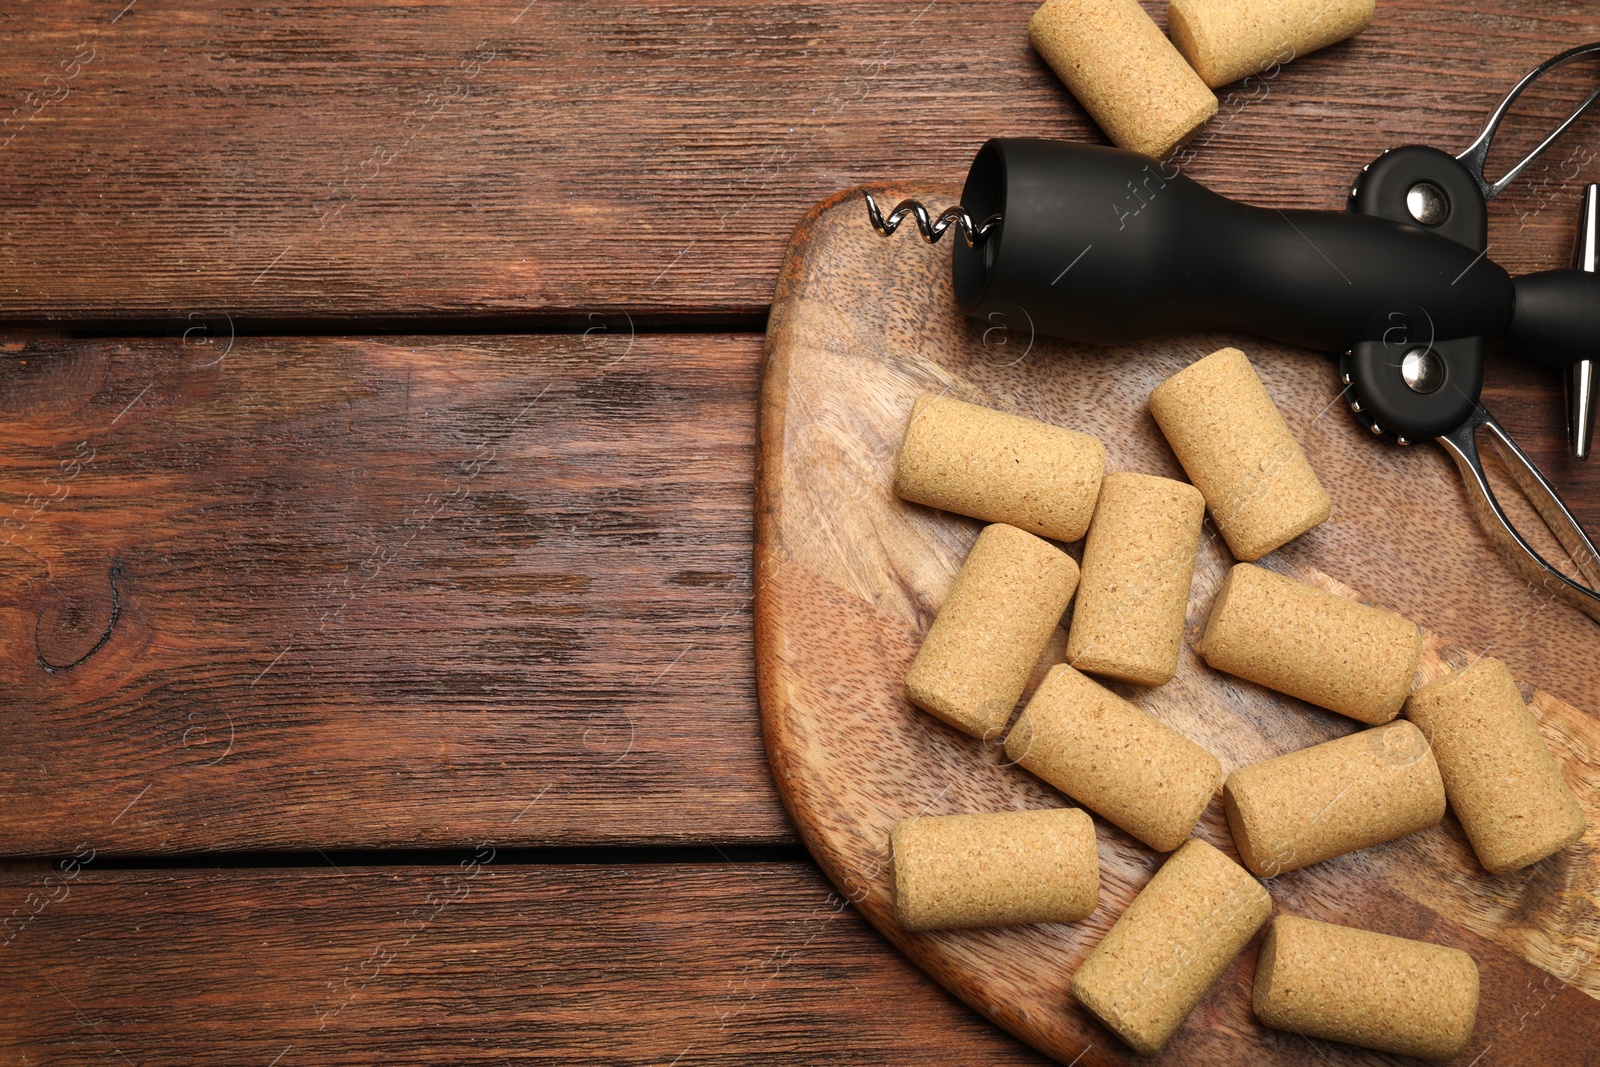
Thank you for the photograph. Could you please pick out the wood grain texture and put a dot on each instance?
(848, 578)
(646, 965)
(88, 744)
(337, 162)
(358, 593)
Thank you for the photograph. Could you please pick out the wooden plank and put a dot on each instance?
(359, 593)
(264, 498)
(336, 162)
(626, 965)
(849, 577)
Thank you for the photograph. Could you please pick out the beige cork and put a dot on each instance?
(1502, 781)
(1374, 990)
(954, 872)
(1239, 453)
(999, 467)
(991, 629)
(1171, 945)
(1332, 651)
(1138, 562)
(1124, 71)
(1225, 40)
(1342, 795)
(1115, 759)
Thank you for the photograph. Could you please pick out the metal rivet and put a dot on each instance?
(1375, 428)
(1422, 370)
(1401, 441)
(1355, 406)
(1427, 203)
(1346, 377)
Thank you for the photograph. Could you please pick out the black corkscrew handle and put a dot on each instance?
(1103, 245)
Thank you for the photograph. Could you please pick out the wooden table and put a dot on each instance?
(377, 404)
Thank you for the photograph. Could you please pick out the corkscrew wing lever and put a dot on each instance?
(1462, 445)
(1476, 154)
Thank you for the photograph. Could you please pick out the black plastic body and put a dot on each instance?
(1557, 316)
(1108, 246)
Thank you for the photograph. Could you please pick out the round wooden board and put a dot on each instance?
(849, 577)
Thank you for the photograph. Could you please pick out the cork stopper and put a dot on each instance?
(1133, 591)
(999, 467)
(1347, 657)
(1374, 990)
(1124, 71)
(1225, 40)
(991, 630)
(1238, 451)
(995, 869)
(1502, 781)
(1171, 945)
(1115, 759)
(1342, 795)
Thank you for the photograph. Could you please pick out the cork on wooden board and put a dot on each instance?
(1161, 955)
(1133, 592)
(1124, 71)
(995, 869)
(999, 467)
(1502, 781)
(1370, 989)
(1115, 759)
(1329, 650)
(1225, 40)
(1346, 794)
(1239, 452)
(994, 623)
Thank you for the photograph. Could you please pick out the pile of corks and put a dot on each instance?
(1467, 738)
(1151, 94)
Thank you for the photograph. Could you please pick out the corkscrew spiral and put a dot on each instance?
(930, 227)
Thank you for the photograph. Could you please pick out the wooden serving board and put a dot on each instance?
(849, 577)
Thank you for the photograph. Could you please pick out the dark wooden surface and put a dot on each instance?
(641, 964)
(499, 572)
(570, 628)
(334, 593)
(336, 162)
